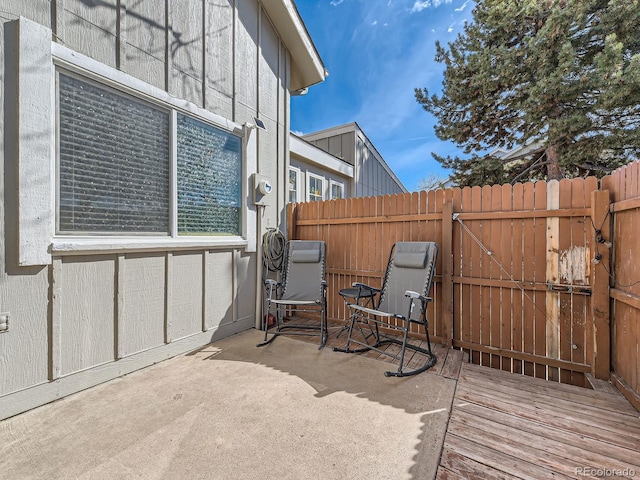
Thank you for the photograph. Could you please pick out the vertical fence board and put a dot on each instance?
(485, 271)
(476, 257)
(634, 267)
(506, 273)
(456, 289)
(552, 276)
(529, 252)
(464, 271)
(580, 228)
(361, 242)
(517, 313)
(540, 270)
(600, 296)
(494, 260)
(590, 185)
(437, 306)
(447, 269)
(564, 277)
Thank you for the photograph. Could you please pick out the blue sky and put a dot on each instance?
(377, 52)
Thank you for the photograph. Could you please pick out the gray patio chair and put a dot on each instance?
(407, 284)
(303, 289)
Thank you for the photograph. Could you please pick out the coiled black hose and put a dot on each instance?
(273, 247)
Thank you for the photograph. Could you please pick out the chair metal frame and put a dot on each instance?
(312, 301)
(368, 321)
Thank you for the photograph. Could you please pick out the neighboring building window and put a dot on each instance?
(115, 160)
(337, 190)
(294, 184)
(315, 187)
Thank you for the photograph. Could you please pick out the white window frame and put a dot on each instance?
(339, 184)
(311, 175)
(37, 63)
(298, 173)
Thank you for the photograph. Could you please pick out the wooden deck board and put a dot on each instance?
(561, 442)
(506, 425)
(594, 413)
(552, 417)
(452, 364)
(576, 394)
(495, 459)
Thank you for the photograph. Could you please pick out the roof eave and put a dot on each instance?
(307, 67)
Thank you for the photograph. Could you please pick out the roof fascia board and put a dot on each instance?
(328, 132)
(312, 154)
(307, 66)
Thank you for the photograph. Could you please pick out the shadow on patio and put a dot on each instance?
(290, 411)
(231, 410)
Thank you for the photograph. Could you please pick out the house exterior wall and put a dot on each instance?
(372, 175)
(308, 168)
(341, 145)
(90, 316)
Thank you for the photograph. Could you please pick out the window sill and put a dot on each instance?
(101, 245)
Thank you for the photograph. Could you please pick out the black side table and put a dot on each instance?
(367, 297)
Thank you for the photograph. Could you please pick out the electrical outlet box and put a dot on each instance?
(4, 322)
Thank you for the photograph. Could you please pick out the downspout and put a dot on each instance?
(259, 261)
(259, 211)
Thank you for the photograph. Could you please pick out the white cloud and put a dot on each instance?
(375, 22)
(419, 6)
(335, 3)
(461, 8)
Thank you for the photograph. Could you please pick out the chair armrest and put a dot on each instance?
(412, 294)
(365, 286)
(273, 285)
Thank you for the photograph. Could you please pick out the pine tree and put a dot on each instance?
(562, 73)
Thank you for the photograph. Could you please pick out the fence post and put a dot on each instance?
(601, 364)
(447, 269)
(552, 273)
(291, 221)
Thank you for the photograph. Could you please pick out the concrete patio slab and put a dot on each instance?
(234, 411)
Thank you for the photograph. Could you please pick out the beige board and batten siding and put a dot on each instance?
(372, 174)
(83, 316)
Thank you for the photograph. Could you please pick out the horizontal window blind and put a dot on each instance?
(209, 172)
(113, 161)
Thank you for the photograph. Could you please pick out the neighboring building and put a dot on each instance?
(316, 175)
(130, 223)
(371, 174)
(532, 147)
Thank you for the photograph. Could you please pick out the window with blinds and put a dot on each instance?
(113, 161)
(115, 164)
(209, 173)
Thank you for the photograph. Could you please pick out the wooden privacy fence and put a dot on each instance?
(624, 186)
(516, 284)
